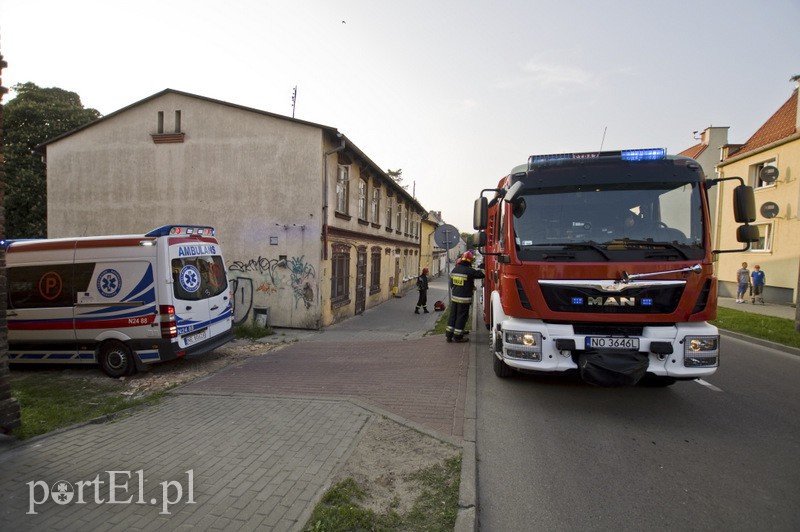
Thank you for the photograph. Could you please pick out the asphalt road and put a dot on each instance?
(556, 454)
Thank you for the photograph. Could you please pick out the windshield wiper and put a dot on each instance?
(574, 245)
(652, 243)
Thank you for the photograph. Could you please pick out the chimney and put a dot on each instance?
(797, 115)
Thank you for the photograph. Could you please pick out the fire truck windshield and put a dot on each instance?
(618, 221)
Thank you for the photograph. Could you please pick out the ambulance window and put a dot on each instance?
(196, 278)
(40, 286)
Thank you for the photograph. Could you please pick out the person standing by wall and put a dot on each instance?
(462, 284)
(422, 286)
(759, 278)
(743, 280)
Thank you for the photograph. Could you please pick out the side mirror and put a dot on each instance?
(478, 239)
(747, 233)
(744, 206)
(480, 213)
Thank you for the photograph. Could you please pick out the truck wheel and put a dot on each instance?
(116, 359)
(501, 369)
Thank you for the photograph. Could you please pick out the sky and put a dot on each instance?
(454, 93)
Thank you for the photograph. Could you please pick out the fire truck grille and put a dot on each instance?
(645, 300)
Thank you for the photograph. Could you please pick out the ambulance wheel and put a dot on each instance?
(116, 359)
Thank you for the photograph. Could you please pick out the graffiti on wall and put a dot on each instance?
(303, 277)
(268, 276)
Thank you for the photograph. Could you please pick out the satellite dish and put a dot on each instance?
(768, 174)
(770, 209)
(446, 236)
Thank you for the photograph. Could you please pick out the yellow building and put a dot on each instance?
(776, 144)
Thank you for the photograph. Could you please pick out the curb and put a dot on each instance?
(466, 518)
(763, 343)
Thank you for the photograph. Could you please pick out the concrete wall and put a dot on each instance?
(257, 179)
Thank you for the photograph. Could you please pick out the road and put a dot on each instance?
(556, 454)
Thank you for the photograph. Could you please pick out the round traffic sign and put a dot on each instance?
(446, 236)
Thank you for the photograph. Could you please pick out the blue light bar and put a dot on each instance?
(649, 154)
(643, 154)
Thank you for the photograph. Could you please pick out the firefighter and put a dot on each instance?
(462, 284)
(422, 286)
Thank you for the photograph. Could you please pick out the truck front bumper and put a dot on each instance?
(681, 351)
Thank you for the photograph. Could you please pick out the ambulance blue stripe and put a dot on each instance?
(149, 299)
(109, 313)
(200, 324)
(145, 282)
(148, 356)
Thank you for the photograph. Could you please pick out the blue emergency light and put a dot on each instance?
(641, 154)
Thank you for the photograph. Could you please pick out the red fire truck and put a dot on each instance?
(601, 264)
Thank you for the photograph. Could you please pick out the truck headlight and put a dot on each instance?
(700, 351)
(524, 345)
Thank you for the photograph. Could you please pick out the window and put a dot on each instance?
(408, 220)
(764, 238)
(389, 202)
(755, 174)
(197, 278)
(340, 274)
(342, 184)
(160, 129)
(375, 207)
(177, 121)
(399, 217)
(362, 199)
(47, 286)
(375, 271)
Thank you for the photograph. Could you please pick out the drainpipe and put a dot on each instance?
(325, 196)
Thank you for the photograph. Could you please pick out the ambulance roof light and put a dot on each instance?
(165, 230)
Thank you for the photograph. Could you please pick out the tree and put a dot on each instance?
(34, 116)
(397, 177)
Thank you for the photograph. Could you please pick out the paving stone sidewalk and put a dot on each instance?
(257, 463)
(252, 447)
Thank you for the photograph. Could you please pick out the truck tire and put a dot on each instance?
(501, 369)
(116, 359)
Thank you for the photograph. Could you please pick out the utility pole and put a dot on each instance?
(294, 99)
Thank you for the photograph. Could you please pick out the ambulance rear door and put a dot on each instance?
(199, 289)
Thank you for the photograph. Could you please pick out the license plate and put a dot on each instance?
(194, 338)
(611, 342)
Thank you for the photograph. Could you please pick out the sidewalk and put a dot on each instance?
(254, 446)
(769, 309)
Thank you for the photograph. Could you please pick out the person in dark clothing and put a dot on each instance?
(462, 284)
(422, 286)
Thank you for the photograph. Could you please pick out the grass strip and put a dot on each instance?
(49, 402)
(779, 330)
(434, 510)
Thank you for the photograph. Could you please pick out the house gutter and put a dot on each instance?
(756, 151)
(325, 195)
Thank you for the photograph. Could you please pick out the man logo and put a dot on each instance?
(612, 301)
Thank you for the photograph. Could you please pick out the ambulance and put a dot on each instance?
(123, 302)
